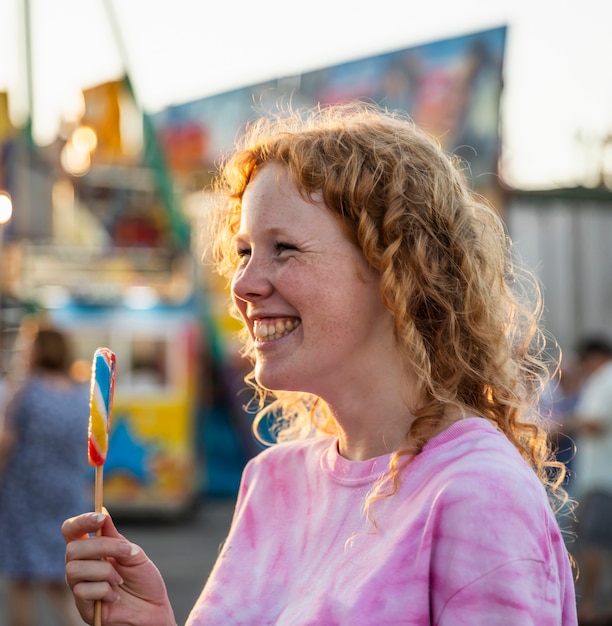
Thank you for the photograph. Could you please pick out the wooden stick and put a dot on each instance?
(98, 488)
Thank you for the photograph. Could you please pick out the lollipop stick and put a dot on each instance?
(98, 488)
(97, 613)
(98, 485)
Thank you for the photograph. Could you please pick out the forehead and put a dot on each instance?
(273, 198)
(273, 208)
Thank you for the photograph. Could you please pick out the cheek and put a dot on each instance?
(354, 309)
(297, 284)
(337, 309)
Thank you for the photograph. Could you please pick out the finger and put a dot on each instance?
(108, 526)
(84, 542)
(82, 525)
(88, 593)
(117, 548)
(124, 551)
(85, 572)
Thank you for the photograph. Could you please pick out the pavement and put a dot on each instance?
(183, 550)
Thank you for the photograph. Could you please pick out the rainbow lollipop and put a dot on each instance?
(101, 404)
(103, 372)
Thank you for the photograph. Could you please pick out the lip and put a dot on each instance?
(262, 317)
(270, 345)
(259, 314)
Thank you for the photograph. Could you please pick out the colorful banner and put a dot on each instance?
(451, 88)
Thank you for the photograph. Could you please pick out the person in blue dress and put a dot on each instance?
(44, 477)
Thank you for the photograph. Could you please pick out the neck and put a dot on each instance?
(362, 449)
(370, 431)
(374, 419)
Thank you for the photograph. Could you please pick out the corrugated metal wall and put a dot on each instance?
(569, 243)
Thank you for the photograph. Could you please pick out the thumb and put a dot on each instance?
(108, 528)
(127, 550)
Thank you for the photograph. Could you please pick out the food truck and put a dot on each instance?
(151, 465)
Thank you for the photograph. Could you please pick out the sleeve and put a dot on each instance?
(499, 557)
(519, 592)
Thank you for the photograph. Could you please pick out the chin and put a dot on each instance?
(275, 382)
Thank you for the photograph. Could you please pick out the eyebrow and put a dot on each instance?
(274, 231)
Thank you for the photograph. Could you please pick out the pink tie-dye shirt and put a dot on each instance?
(469, 539)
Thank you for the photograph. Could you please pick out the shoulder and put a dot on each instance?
(20, 393)
(483, 505)
(475, 467)
(492, 502)
(78, 389)
(32, 386)
(470, 441)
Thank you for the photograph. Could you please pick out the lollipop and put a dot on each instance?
(101, 405)
(100, 413)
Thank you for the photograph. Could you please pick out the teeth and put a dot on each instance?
(269, 330)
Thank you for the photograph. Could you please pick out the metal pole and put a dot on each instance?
(27, 38)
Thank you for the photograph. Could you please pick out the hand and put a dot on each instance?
(111, 569)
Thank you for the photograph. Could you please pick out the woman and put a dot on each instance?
(382, 308)
(44, 478)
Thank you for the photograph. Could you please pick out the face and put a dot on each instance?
(308, 297)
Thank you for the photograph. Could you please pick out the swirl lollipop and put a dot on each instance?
(103, 372)
(101, 405)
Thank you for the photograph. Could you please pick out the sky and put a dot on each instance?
(556, 105)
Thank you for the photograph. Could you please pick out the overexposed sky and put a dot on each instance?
(557, 103)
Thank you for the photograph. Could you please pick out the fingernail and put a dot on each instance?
(97, 517)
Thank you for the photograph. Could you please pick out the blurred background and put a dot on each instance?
(114, 114)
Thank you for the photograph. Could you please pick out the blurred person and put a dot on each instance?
(392, 342)
(560, 401)
(44, 477)
(591, 425)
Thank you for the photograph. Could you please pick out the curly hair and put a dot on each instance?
(467, 317)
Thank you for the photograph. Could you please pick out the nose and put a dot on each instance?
(252, 281)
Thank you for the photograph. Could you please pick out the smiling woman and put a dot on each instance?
(389, 335)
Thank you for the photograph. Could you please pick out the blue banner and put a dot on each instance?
(451, 88)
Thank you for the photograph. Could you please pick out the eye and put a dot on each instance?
(282, 247)
(243, 253)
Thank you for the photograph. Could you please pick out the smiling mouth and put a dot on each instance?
(272, 329)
